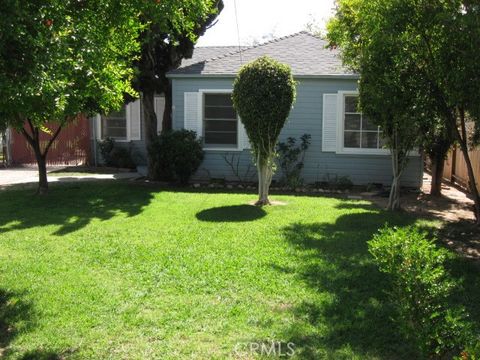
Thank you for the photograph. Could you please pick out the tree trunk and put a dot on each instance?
(438, 164)
(41, 164)
(150, 120)
(462, 139)
(167, 112)
(394, 198)
(42, 175)
(264, 180)
(41, 156)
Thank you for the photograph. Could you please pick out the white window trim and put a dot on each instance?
(341, 126)
(201, 112)
(98, 120)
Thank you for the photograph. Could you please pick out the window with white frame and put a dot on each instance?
(220, 121)
(359, 132)
(114, 125)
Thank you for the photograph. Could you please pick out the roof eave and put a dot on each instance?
(321, 76)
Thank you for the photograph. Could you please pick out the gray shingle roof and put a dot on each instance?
(305, 53)
(203, 53)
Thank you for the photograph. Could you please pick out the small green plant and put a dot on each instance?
(291, 157)
(177, 155)
(470, 353)
(114, 155)
(420, 289)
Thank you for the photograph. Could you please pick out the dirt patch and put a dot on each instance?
(453, 206)
(454, 209)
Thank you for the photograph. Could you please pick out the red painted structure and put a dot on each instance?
(72, 146)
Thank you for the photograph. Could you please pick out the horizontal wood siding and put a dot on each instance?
(305, 117)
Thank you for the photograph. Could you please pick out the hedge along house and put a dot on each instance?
(343, 141)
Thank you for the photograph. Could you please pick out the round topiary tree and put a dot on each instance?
(263, 94)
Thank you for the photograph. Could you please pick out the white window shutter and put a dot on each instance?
(243, 142)
(134, 110)
(159, 108)
(193, 113)
(329, 124)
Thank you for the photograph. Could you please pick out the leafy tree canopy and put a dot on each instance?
(263, 94)
(60, 58)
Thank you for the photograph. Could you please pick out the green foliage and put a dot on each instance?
(177, 155)
(470, 353)
(114, 155)
(420, 289)
(291, 158)
(170, 32)
(418, 68)
(263, 94)
(60, 58)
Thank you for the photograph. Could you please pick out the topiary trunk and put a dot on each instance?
(265, 173)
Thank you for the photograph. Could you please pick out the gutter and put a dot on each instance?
(322, 76)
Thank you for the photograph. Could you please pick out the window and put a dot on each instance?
(114, 125)
(220, 121)
(358, 130)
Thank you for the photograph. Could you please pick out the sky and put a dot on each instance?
(259, 20)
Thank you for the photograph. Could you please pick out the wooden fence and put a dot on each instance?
(455, 169)
(72, 147)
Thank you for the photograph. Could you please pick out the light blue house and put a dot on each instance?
(343, 141)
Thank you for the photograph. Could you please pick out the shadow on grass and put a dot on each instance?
(46, 355)
(41, 355)
(235, 213)
(71, 206)
(15, 317)
(333, 259)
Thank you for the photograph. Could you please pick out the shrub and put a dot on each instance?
(263, 94)
(420, 289)
(116, 156)
(106, 146)
(177, 155)
(291, 159)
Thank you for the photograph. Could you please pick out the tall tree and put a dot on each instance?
(59, 58)
(263, 94)
(387, 92)
(437, 43)
(169, 36)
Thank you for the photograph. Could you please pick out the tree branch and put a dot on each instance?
(55, 135)
(27, 137)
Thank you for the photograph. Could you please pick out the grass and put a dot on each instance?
(122, 271)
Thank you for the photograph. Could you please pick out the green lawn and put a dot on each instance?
(122, 271)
